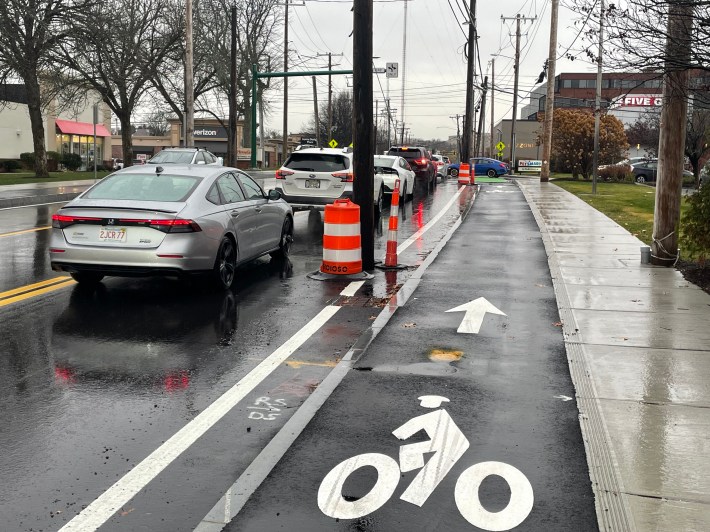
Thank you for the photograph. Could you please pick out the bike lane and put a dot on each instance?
(472, 407)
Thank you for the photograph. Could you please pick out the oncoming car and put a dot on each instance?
(173, 221)
(185, 156)
(312, 178)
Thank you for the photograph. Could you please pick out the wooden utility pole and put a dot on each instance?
(404, 69)
(493, 91)
(284, 146)
(598, 101)
(189, 82)
(468, 125)
(363, 156)
(479, 135)
(671, 144)
(550, 98)
(330, 97)
(315, 111)
(518, 19)
(232, 132)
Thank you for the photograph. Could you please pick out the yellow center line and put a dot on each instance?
(34, 293)
(31, 287)
(3, 235)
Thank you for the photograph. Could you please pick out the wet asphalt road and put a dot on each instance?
(509, 390)
(93, 382)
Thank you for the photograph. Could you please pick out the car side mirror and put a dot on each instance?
(274, 194)
(220, 161)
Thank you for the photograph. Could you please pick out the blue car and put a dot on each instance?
(483, 166)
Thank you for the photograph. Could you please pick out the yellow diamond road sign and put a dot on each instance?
(500, 146)
(333, 143)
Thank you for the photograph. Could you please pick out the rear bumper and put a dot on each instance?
(311, 202)
(122, 271)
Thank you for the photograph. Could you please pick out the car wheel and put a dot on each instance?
(286, 239)
(378, 204)
(491, 173)
(87, 278)
(640, 178)
(454, 172)
(225, 264)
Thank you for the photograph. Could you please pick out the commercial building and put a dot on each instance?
(67, 129)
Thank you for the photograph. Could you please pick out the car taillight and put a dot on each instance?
(346, 177)
(420, 162)
(281, 174)
(60, 221)
(178, 225)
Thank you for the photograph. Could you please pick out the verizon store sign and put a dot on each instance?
(640, 100)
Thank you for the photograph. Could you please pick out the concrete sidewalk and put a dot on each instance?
(38, 193)
(638, 345)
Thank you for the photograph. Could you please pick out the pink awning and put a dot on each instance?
(82, 128)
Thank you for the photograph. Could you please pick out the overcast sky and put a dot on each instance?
(435, 65)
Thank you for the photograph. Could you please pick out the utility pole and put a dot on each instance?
(232, 132)
(481, 120)
(189, 82)
(493, 90)
(458, 136)
(404, 68)
(315, 111)
(330, 97)
(468, 122)
(284, 145)
(598, 101)
(518, 19)
(671, 144)
(363, 157)
(550, 98)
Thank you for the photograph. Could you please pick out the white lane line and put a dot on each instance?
(404, 245)
(107, 504)
(352, 288)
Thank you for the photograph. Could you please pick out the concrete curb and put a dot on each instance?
(24, 201)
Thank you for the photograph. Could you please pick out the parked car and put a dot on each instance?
(420, 160)
(392, 167)
(185, 156)
(172, 221)
(117, 164)
(630, 162)
(442, 164)
(647, 171)
(312, 178)
(482, 166)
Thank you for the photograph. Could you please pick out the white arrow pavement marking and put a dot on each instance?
(475, 311)
(563, 397)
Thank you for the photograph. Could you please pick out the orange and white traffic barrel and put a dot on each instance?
(342, 245)
(464, 174)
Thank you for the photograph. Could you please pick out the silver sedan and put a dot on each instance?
(177, 220)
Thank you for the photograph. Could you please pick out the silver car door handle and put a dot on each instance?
(234, 214)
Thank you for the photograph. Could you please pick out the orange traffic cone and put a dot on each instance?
(464, 174)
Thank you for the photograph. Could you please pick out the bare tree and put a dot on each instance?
(29, 31)
(117, 49)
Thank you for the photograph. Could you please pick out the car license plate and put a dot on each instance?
(312, 183)
(112, 234)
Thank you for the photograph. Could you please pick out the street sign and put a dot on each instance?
(379, 70)
(392, 70)
(475, 312)
(333, 143)
(500, 146)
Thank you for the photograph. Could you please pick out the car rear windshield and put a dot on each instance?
(384, 161)
(172, 157)
(144, 187)
(317, 162)
(409, 153)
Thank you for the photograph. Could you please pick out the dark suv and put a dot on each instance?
(420, 160)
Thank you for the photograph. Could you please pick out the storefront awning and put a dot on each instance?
(82, 128)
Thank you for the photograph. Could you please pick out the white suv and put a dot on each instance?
(312, 178)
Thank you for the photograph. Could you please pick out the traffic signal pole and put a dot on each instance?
(256, 75)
